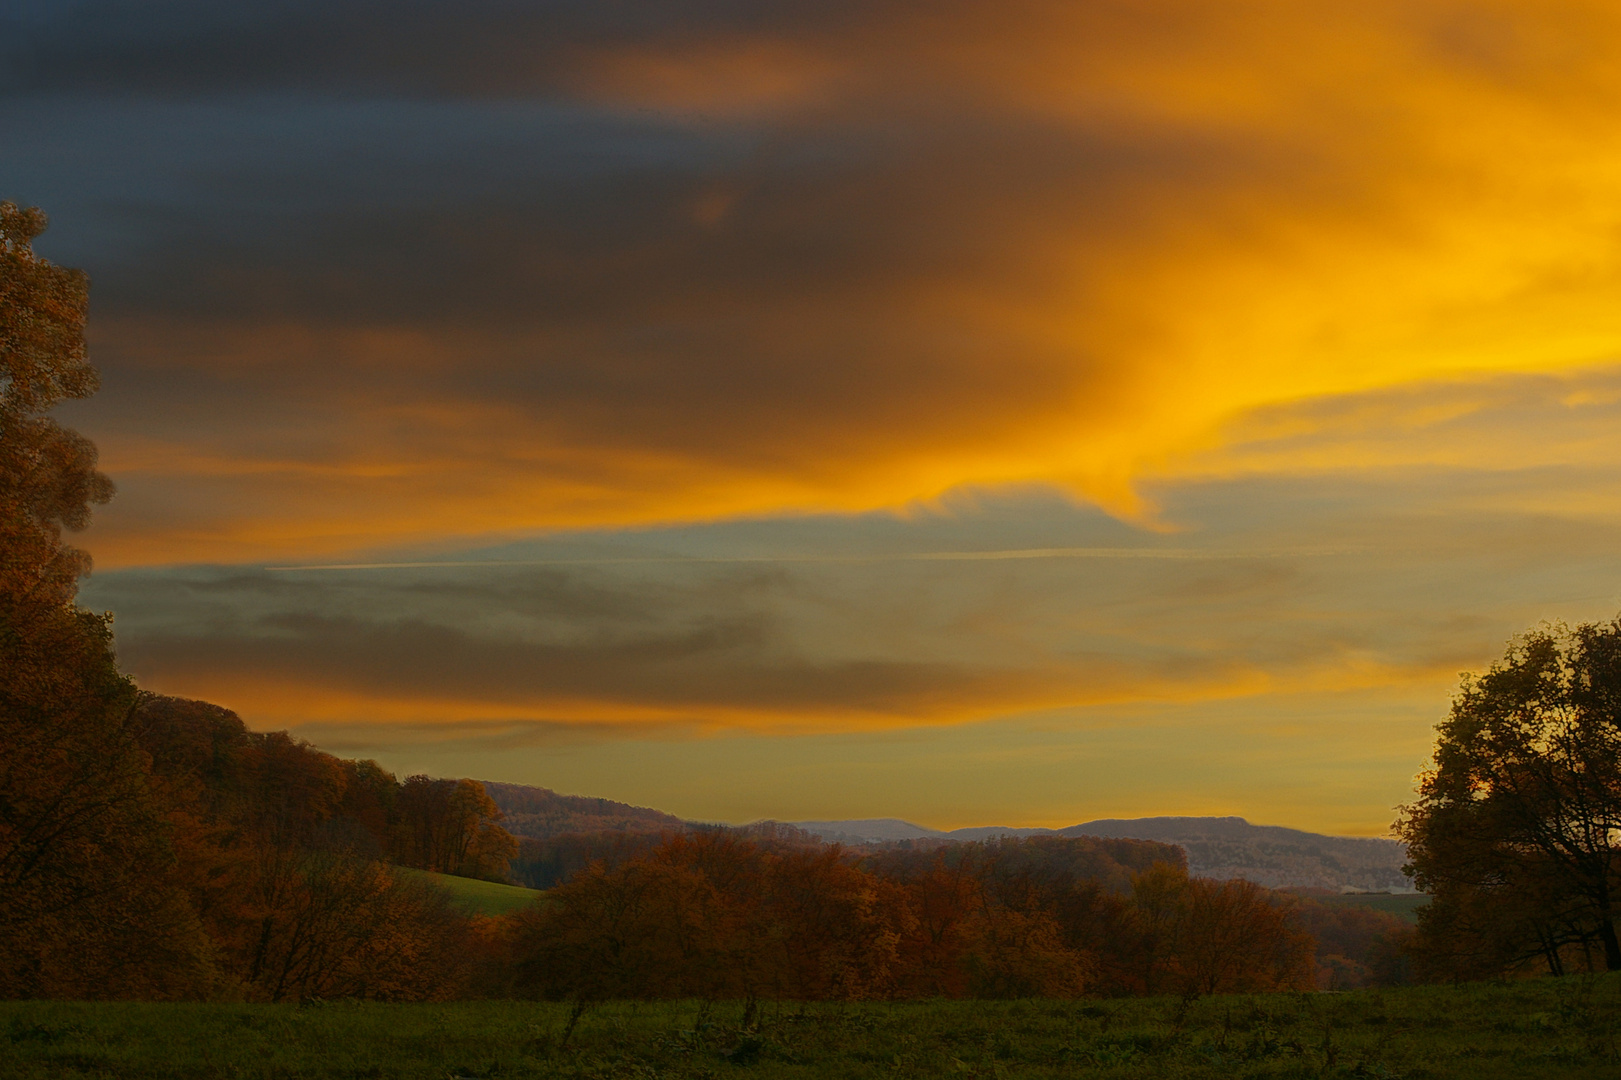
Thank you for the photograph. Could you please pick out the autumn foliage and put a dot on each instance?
(718, 916)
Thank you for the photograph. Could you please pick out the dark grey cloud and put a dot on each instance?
(1384, 581)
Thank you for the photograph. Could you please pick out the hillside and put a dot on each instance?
(1224, 847)
(474, 896)
(1216, 847)
(541, 814)
(1230, 847)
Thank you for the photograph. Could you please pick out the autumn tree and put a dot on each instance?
(451, 826)
(48, 477)
(88, 903)
(1357, 946)
(1516, 827)
(649, 929)
(713, 915)
(279, 846)
(1234, 937)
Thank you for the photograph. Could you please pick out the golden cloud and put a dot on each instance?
(1042, 243)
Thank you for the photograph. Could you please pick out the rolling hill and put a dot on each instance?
(541, 814)
(1217, 847)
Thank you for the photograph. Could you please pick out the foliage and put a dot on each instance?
(48, 477)
(1357, 945)
(546, 863)
(449, 826)
(714, 915)
(1523, 1030)
(282, 847)
(540, 814)
(1515, 829)
(89, 902)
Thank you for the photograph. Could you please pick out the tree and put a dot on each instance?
(48, 477)
(450, 826)
(88, 901)
(1515, 829)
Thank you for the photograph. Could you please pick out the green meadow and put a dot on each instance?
(475, 896)
(1402, 905)
(1525, 1029)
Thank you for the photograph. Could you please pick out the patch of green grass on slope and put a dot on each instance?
(479, 897)
(1525, 1030)
(1405, 905)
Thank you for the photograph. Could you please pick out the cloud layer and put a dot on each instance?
(1277, 342)
(490, 268)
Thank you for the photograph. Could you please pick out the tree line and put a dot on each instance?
(186, 856)
(718, 916)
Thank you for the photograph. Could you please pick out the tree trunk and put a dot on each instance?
(1612, 947)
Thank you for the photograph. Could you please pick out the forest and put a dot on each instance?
(154, 848)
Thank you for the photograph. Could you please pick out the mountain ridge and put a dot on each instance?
(1229, 847)
(1217, 847)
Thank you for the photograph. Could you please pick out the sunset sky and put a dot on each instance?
(977, 413)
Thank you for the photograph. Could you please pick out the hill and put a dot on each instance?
(1270, 855)
(541, 814)
(1217, 847)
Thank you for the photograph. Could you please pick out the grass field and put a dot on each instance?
(480, 897)
(1565, 1028)
(1403, 904)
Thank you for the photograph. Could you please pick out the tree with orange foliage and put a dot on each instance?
(451, 826)
(942, 900)
(279, 844)
(1236, 938)
(715, 916)
(981, 928)
(1193, 936)
(88, 901)
(649, 929)
(830, 931)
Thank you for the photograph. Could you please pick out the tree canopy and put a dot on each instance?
(1516, 831)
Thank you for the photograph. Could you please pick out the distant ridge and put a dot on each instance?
(1217, 847)
(866, 830)
(541, 813)
(880, 830)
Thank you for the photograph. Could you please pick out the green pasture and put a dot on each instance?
(479, 897)
(1532, 1029)
(1404, 904)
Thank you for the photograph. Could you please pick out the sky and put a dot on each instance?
(1014, 413)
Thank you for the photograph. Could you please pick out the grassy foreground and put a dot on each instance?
(1533, 1029)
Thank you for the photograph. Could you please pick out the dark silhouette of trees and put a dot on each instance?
(1515, 830)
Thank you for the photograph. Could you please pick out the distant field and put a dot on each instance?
(1529, 1030)
(1404, 904)
(480, 897)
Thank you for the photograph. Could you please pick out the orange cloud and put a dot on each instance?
(1045, 244)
